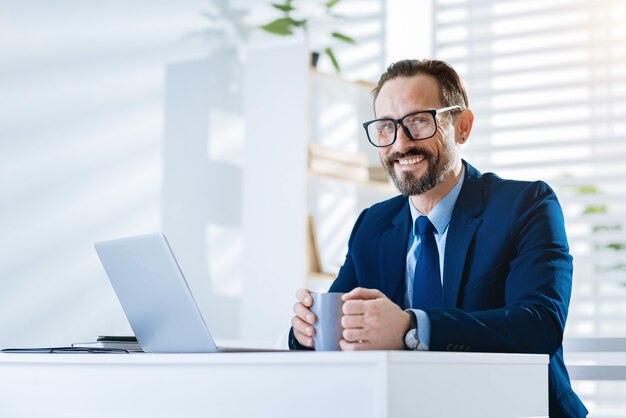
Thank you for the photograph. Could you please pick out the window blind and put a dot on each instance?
(547, 83)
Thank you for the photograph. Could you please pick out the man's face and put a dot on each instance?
(416, 166)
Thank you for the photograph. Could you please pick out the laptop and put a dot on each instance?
(155, 296)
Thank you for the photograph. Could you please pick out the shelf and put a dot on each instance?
(319, 282)
(321, 276)
(359, 83)
(378, 185)
(349, 166)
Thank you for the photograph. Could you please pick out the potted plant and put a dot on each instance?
(315, 21)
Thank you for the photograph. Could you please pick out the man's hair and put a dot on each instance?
(451, 89)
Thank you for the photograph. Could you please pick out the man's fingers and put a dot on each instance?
(353, 307)
(356, 346)
(302, 323)
(303, 339)
(304, 296)
(304, 313)
(362, 293)
(352, 321)
(354, 335)
(302, 327)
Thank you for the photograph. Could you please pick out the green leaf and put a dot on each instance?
(282, 26)
(596, 209)
(616, 246)
(283, 7)
(331, 3)
(606, 228)
(343, 37)
(333, 59)
(587, 189)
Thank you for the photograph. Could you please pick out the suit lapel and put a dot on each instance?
(463, 225)
(392, 255)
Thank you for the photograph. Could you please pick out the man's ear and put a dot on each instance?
(464, 126)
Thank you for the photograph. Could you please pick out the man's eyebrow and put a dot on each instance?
(412, 111)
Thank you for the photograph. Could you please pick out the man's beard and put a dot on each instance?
(438, 167)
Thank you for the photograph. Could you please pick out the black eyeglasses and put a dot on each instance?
(417, 126)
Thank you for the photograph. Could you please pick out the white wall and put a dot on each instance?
(110, 116)
(82, 88)
(408, 29)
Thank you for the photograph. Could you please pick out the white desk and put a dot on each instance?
(293, 384)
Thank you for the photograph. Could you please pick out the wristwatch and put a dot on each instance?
(411, 340)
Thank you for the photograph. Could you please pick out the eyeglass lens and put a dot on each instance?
(420, 126)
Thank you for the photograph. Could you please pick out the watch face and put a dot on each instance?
(410, 339)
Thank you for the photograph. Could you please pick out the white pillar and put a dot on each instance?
(274, 187)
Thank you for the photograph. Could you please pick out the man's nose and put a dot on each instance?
(402, 140)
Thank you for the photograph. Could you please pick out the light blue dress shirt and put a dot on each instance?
(440, 218)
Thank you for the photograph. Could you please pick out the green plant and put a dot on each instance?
(294, 19)
(595, 209)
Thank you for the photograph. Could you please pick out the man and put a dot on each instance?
(462, 261)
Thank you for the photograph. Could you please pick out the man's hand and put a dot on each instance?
(304, 319)
(372, 322)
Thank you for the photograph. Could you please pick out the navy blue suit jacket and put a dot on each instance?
(507, 273)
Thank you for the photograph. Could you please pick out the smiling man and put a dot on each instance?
(461, 261)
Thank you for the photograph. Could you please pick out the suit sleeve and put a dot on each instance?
(537, 287)
(346, 281)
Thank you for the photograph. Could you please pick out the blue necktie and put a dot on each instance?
(427, 279)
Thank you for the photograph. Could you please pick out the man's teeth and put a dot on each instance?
(408, 161)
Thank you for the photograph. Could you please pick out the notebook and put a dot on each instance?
(155, 296)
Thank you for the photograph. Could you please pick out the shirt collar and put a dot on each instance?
(442, 212)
